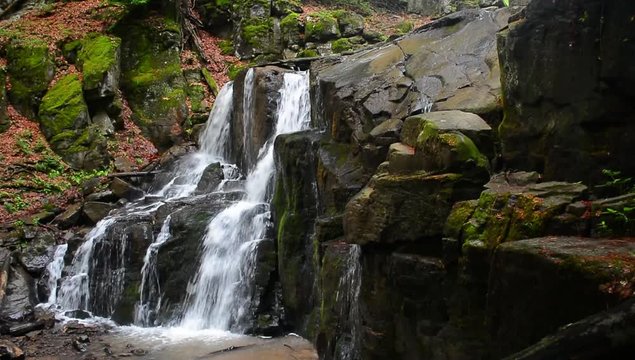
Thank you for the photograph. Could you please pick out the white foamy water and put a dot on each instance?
(74, 292)
(219, 296)
(54, 269)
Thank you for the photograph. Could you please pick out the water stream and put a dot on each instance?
(218, 295)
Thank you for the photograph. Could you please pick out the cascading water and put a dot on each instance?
(347, 296)
(54, 269)
(74, 292)
(219, 294)
(150, 291)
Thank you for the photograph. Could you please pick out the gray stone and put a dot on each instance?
(451, 63)
(96, 211)
(103, 122)
(19, 299)
(211, 178)
(124, 190)
(69, 217)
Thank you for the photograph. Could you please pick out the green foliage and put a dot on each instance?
(341, 45)
(226, 47)
(50, 165)
(616, 184)
(78, 177)
(234, 70)
(506, 2)
(14, 204)
(405, 27)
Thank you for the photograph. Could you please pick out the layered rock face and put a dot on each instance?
(569, 103)
(396, 239)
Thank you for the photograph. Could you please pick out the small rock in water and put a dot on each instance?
(108, 351)
(139, 352)
(78, 314)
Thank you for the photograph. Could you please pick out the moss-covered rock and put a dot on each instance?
(98, 59)
(350, 23)
(152, 78)
(341, 45)
(321, 26)
(63, 108)
(290, 29)
(510, 211)
(65, 122)
(254, 31)
(404, 207)
(30, 68)
(285, 7)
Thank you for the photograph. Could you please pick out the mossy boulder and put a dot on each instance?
(31, 69)
(65, 122)
(98, 59)
(285, 7)
(511, 210)
(291, 30)
(341, 45)
(321, 26)
(404, 207)
(350, 23)
(152, 79)
(4, 117)
(254, 31)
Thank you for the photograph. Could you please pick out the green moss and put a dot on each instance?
(464, 148)
(307, 53)
(404, 27)
(226, 47)
(31, 68)
(460, 214)
(234, 70)
(213, 86)
(341, 45)
(257, 32)
(196, 93)
(97, 56)
(321, 25)
(291, 21)
(290, 29)
(63, 107)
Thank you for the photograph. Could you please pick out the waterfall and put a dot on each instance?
(74, 292)
(218, 297)
(54, 269)
(149, 290)
(347, 296)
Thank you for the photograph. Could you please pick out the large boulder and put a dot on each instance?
(254, 31)
(65, 122)
(295, 208)
(152, 78)
(569, 112)
(513, 207)
(404, 207)
(30, 68)
(570, 278)
(414, 73)
(98, 60)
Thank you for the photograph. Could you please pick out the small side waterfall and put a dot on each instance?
(54, 269)
(348, 296)
(219, 294)
(150, 291)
